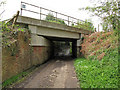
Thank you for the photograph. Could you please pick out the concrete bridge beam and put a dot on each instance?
(37, 40)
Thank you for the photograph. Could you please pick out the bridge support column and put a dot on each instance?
(74, 49)
(78, 48)
(79, 42)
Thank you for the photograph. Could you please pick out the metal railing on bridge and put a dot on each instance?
(43, 12)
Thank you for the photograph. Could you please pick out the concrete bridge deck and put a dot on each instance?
(46, 28)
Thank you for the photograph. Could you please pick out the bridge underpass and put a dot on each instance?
(55, 73)
(58, 72)
(43, 33)
(63, 47)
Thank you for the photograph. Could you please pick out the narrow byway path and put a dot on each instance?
(57, 73)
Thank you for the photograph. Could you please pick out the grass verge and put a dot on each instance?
(96, 74)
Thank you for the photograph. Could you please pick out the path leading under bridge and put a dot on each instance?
(56, 73)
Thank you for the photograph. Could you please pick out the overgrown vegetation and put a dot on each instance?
(98, 74)
(87, 25)
(10, 37)
(50, 17)
(14, 41)
(100, 44)
(14, 79)
(100, 68)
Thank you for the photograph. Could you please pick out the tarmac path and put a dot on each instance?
(56, 73)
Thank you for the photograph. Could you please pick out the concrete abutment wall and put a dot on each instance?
(42, 47)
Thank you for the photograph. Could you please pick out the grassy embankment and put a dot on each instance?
(99, 68)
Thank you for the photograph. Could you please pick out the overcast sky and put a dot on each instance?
(68, 7)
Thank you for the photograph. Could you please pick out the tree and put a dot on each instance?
(108, 12)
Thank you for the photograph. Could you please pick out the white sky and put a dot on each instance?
(68, 7)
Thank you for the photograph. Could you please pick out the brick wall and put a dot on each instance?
(21, 56)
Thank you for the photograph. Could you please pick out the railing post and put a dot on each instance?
(40, 13)
(21, 9)
(56, 16)
(78, 21)
(68, 20)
